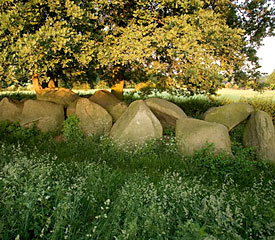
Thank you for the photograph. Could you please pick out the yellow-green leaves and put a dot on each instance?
(190, 44)
(190, 51)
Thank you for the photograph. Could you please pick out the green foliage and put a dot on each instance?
(196, 106)
(270, 80)
(94, 196)
(188, 46)
(71, 130)
(18, 96)
(51, 38)
(13, 132)
(264, 104)
(176, 44)
(256, 18)
(89, 189)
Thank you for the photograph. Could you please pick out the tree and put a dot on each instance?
(257, 19)
(176, 44)
(270, 80)
(189, 45)
(50, 38)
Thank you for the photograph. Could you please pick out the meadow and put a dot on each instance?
(87, 188)
(236, 94)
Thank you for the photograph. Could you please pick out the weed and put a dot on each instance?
(87, 188)
(71, 130)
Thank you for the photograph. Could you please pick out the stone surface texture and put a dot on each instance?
(61, 96)
(110, 102)
(47, 116)
(259, 133)
(229, 115)
(93, 119)
(136, 125)
(167, 112)
(194, 134)
(71, 108)
(117, 110)
(10, 110)
(104, 98)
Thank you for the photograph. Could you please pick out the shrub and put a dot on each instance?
(195, 106)
(13, 132)
(264, 104)
(18, 95)
(71, 130)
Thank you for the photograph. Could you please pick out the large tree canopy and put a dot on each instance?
(176, 44)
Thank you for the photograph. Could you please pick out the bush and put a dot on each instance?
(71, 130)
(264, 104)
(18, 96)
(13, 132)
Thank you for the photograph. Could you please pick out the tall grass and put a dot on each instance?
(54, 190)
(102, 197)
(87, 188)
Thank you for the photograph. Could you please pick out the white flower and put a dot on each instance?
(107, 202)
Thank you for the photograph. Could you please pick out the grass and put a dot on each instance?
(236, 94)
(89, 189)
(95, 191)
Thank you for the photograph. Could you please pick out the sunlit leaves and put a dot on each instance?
(45, 37)
(188, 51)
(189, 44)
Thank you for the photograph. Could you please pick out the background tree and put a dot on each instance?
(257, 19)
(270, 80)
(51, 38)
(177, 44)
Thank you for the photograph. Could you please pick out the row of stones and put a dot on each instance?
(103, 113)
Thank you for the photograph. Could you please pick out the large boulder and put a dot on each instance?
(229, 115)
(70, 110)
(167, 113)
(93, 119)
(10, 110)
(259, 133)
(47, 116)
(117, 110)
(194, 134)
(136, 125)
(104, 98)
(62, 96)
(110, 102)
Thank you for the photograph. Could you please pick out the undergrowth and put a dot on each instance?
(87, 188)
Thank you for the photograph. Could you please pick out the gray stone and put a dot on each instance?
(194, 134)
(104, 98)
(229, 115)
(62, 96)
(110, 102)
(47, 116)
(136, 125)
(167, 113)
(259, 133)
(117, 110)
(10, 110)
(93, 119)
(71, 108)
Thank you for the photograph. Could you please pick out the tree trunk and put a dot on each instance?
(35, 82)
(117, 90)
(51, 84)
(118, 80)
